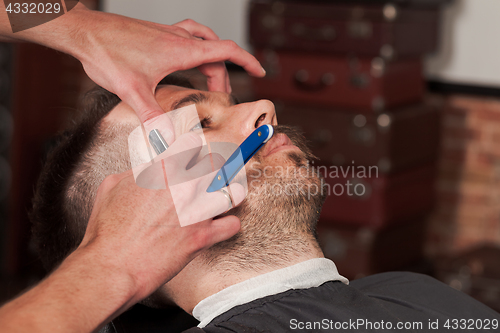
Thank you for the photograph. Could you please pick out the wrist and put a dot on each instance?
(102, 276)
(65, 33)
(73, 27)
(135, 279)
(82, 294)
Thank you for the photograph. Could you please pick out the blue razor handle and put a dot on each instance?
(241, 156)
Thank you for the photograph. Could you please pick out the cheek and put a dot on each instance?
(222, 135)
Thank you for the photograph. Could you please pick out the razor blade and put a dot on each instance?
(157, 141)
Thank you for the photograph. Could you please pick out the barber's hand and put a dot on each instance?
(188, 184)
(133, 244)
(138, 229)
(130, 57)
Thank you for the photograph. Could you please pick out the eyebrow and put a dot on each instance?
(198, 98)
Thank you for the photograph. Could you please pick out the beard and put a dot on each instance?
(279, 214)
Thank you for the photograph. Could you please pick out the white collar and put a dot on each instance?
(307, 274)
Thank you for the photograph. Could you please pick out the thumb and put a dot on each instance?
(222, 229)
(144, 103)
(150, 114)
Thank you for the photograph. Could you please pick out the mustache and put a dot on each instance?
(296, 136)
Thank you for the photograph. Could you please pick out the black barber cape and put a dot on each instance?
(415, 302)
(143, 319)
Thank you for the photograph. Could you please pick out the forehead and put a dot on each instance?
(166, 96)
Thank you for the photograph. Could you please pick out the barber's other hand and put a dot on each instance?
(137, 230)
(130, 57)
(188, 183)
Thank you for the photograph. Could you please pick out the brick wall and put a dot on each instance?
(468, 186)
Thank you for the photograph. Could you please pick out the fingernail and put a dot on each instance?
(263, 70)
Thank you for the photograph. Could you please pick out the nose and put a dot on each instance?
(257, 114)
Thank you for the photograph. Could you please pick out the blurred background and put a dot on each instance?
(410, 88)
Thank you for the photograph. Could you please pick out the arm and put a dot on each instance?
(133, 244)
(80, 295)
(129, 57)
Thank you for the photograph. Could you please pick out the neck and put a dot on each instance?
(199, 280)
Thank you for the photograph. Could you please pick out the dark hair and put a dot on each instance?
(73, 171)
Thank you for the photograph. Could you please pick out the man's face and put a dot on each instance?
(223, 120)
(282, 186)
(279, 213)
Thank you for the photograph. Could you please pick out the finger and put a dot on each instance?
(197, 29)
(162, 124)
(217, 76)
(208, 164)
(150, 113)
(221, 229)
(194, 204)
(210, 232)
(220, 203)
(142, 100)
(222, 50)
(228, 85)
(237, 192)
(180, 31)
(169, 29)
